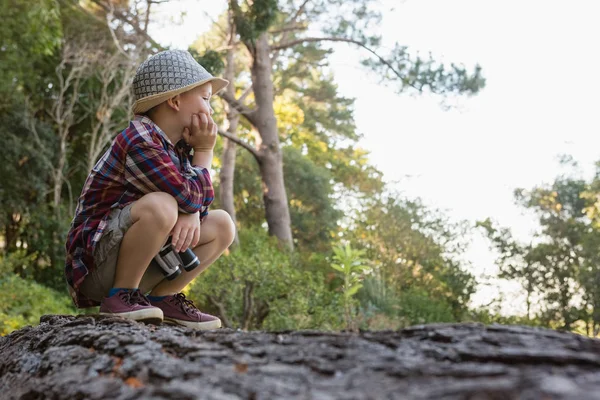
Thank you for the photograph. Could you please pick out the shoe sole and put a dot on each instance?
(149, 316)
(200, 326)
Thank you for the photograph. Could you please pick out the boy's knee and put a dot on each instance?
(161, 208)
(226, 226)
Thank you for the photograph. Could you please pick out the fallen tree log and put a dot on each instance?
(85, 357)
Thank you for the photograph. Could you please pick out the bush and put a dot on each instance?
(260, 286)
(418, 307)
(384, 308)
(23, 302)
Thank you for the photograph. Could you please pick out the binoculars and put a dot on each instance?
(171, 262)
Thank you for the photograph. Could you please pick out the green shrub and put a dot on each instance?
(260, 286)
(418, 307)
(15, 261)
(352, 267)
(23, 302)
(384, 308)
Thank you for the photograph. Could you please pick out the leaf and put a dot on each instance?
(134, 382)
(352, 290)
(241, 368)
(338, 267)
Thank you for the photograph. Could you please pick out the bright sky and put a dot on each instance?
(541, 100)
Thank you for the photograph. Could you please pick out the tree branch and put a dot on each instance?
(298, 27)
(221, 309)
(248, 305)
(299, 12)
(245, 94)
(109, 9)
(239, 107)
(223, 30)
(346, 40)
(242, 143)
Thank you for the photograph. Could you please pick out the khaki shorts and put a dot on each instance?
(99, 281)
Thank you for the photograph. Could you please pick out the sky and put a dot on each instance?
(542, 65)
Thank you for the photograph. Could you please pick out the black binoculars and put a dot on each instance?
(171, 262)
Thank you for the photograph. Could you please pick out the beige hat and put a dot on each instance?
(167, 74)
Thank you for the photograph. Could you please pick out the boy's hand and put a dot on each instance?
(202, 134)
(186, 232)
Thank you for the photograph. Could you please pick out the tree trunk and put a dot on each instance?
(11, 230)
(59, 173)
(229, 148)
(271, 163)
(85, 357)
(227, 176)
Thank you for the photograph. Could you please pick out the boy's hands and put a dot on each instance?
(186, 232)
(202, 134)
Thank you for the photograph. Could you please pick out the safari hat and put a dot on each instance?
(167, 74)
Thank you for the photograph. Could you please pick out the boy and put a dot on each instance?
(145, 188)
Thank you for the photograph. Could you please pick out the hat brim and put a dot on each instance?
(143, 105)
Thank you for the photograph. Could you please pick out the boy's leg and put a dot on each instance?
(153, 216)
(216, 235)
(146, 227)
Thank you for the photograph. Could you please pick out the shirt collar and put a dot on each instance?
(145, 120)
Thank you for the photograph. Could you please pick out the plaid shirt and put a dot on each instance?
(140, 160)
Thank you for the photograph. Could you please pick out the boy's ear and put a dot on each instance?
(174, 102)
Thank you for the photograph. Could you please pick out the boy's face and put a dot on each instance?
(195, 101)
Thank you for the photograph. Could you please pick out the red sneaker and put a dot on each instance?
(131, 304)
(178, 310)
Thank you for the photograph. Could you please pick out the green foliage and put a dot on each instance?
(419, 307)
(351, 265)
(385, 307)
(309, 187)
(46, 238)
(29, 33)
(21, 163)
(493, 315)
(426, 74)
(312, 209)
(333, 190)
(357, 22)
(211, 60)
(411, 246)
(560, 267)
(254, 19)
(14, 261)
(23, 302)
(260, 286)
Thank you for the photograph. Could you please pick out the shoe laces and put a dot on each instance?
(132, 297)
(186, 305)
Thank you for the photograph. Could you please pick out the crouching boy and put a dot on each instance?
(148, 188)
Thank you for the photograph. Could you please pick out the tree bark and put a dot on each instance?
(11, 231)
(59, 173)
(227, 174)
(271, 163)
(96, 357)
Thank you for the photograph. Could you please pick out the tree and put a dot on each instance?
(414, 254)
(30, 33)
(560, 266)
(515, 260)
(268, 28)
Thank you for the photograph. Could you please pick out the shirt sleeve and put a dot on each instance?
(209, 193)
(148, 168)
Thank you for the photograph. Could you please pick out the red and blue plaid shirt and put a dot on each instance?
(140, 160)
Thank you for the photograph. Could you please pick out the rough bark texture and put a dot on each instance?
(271, 163)
(68, 357)
(227, 173)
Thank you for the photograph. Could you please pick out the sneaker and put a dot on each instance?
(131, 304)
(178, 310)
